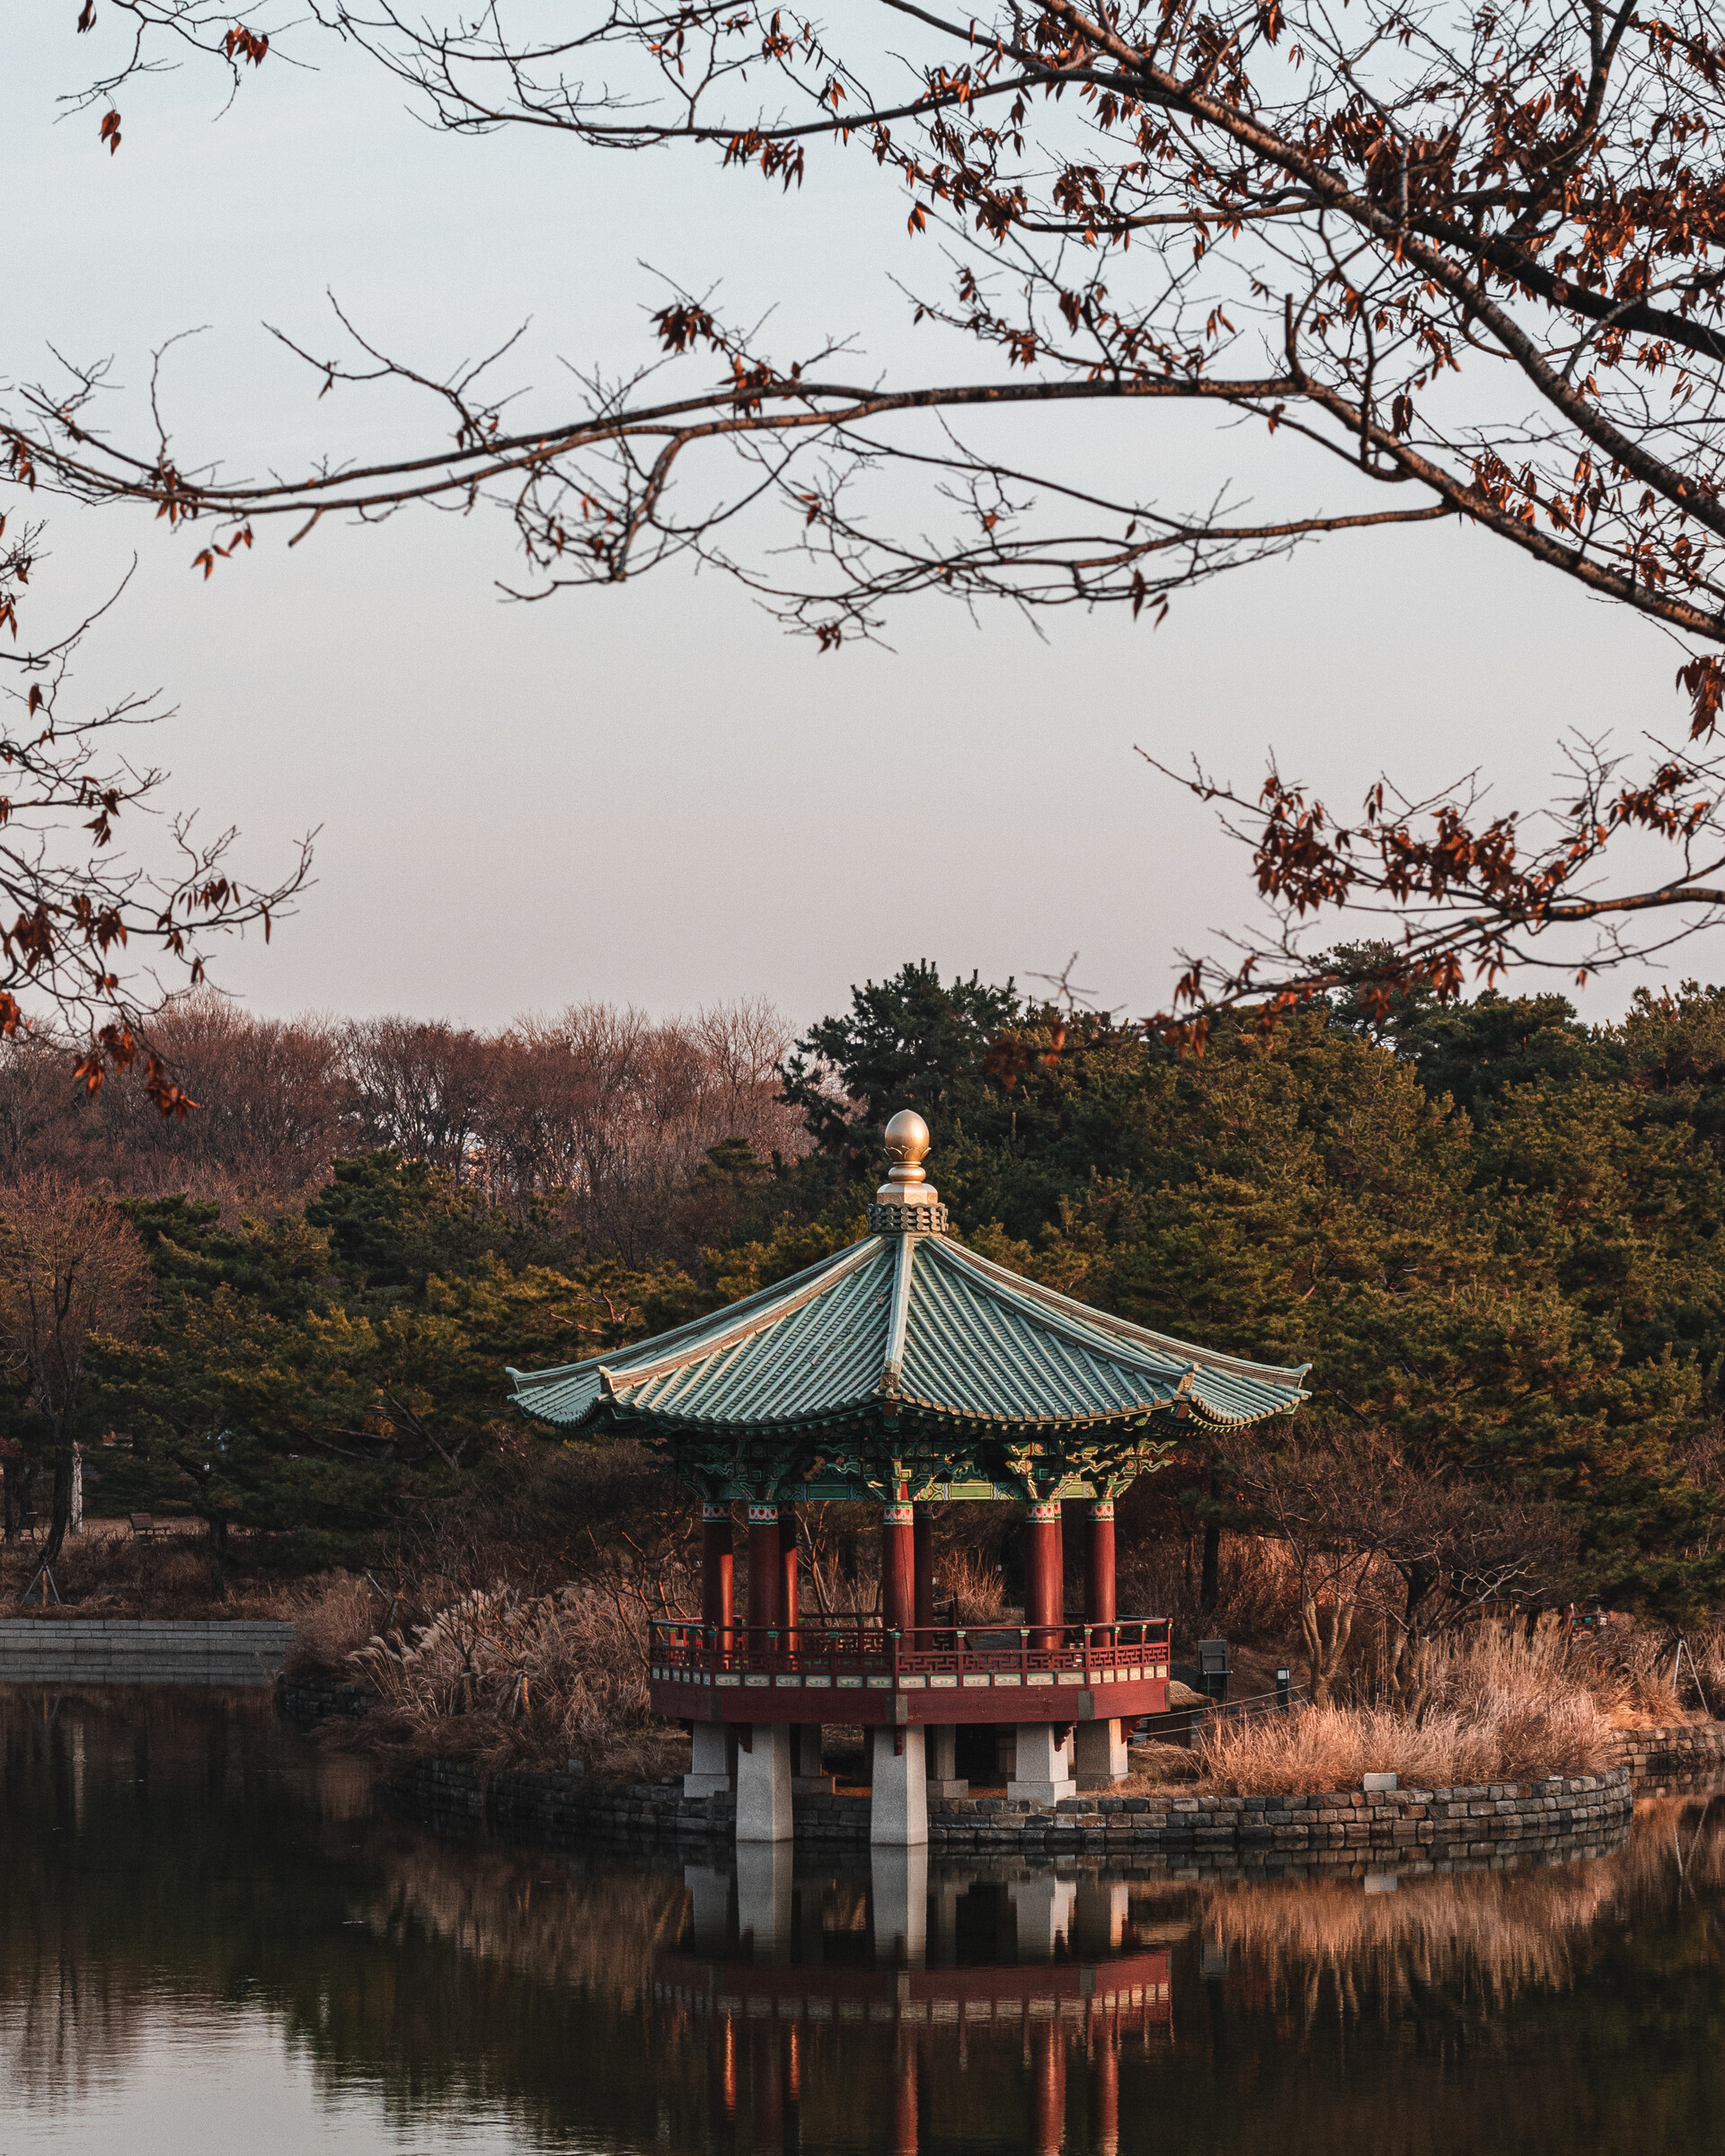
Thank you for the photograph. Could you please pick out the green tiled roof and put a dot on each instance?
(906, 1328)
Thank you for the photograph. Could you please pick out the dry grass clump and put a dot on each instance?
(1501, 1710)
(1257, 1582)
(971, 1583)
(1335, 1748)
(1628, 1671)
(342, 1617)
(506, 1679)
(1154, 1765)
(1708, 1650)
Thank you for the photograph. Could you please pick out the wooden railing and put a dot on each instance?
(854, 1647)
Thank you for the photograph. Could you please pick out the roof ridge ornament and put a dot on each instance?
(907, 1203)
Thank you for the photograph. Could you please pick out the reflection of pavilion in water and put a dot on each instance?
(815, 1987)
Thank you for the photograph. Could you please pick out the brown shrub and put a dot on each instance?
(341, 1615)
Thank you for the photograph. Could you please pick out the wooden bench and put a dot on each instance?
(145, 1529)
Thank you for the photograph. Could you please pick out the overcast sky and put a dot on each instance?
(653, 794)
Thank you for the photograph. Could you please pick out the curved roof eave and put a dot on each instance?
(619, 1413)
(720, 1323)
(836, 1362)
(1020, 1284)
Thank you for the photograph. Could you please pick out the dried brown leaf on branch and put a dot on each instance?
(96, 941)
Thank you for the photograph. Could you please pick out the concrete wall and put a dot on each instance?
(72, 1650)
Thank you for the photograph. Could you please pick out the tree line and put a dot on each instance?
(1493, 1230)
(599, 1110)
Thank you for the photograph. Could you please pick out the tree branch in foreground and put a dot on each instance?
(1474, 259)
(90, 938)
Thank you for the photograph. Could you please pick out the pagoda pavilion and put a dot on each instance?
(908, 1371)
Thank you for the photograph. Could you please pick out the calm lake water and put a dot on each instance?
(212, 1939)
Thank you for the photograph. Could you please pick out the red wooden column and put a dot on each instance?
(788, 1599)
(1044, 1587)
(718, 1576)
(899, 1567)
(766, 2088)
(924, 1541)
(766, 1575)
(721, 2060)
(1100, 1606)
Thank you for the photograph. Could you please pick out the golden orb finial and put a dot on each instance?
(906, 1140)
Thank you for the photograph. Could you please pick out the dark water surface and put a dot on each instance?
(213, 1939)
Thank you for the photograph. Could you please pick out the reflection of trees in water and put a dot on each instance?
(172, 1857)
(82, 1935)
(175, 1855)
(594, 1932)
(1312, 1947)
(1315, 1947)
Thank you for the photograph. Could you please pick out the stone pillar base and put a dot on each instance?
(1044, 1769)
(1101, 1915)
(941, 1747)
(764, 1785)
(710, 1893)
(806, 1777)
(898, 1797)
(1042, 1905)
(714, 1760)
(1099, 1755)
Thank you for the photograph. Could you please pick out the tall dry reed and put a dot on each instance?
(1501, 1708)
(971, 1583)
(530, 1680)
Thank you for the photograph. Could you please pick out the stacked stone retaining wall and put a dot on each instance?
(1665, 1763)
(97, 1651)
(1492, 1822)
(321, 1700)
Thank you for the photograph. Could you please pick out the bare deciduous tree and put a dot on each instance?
(603, 1113)
(70, 1266)
(1471, 258)
(92, 940)
(1357, 1512)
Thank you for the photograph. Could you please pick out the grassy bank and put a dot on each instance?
(108, 1571)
